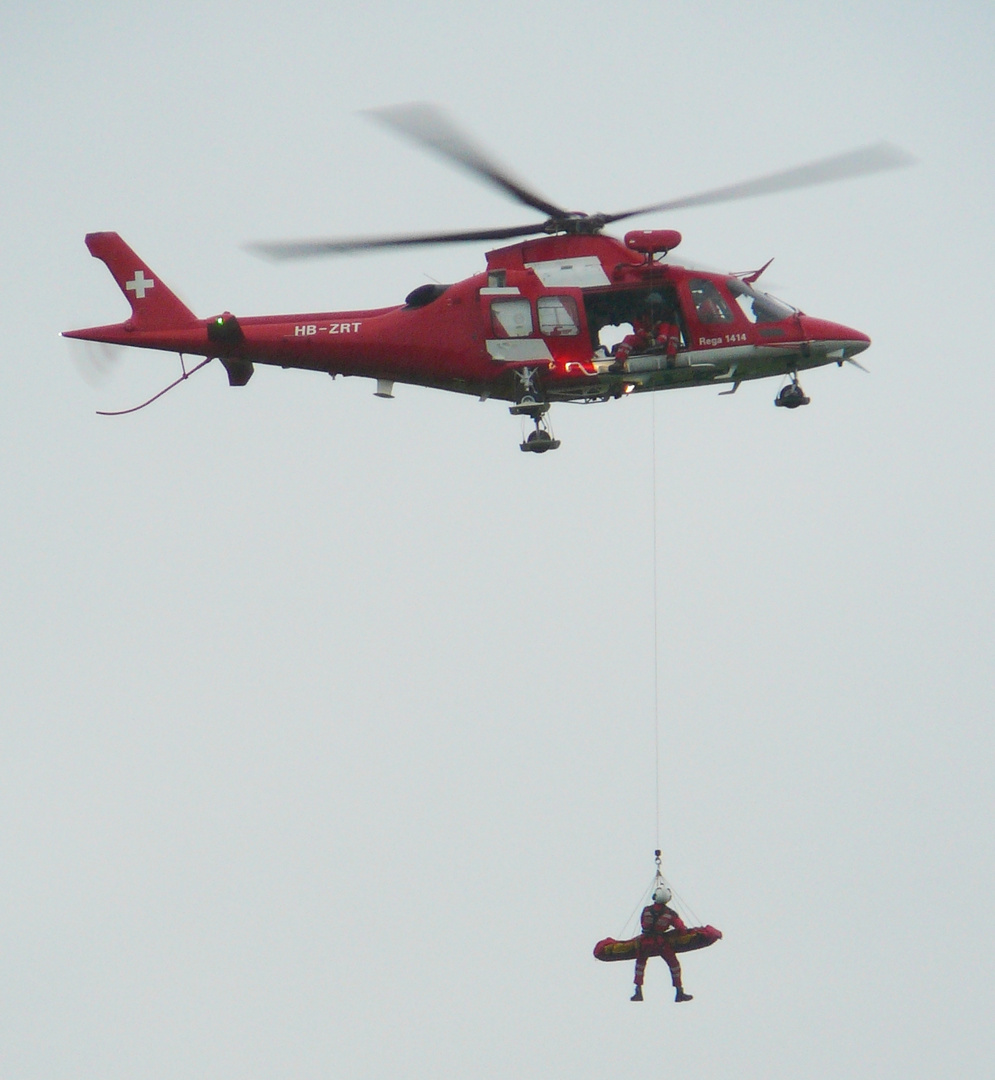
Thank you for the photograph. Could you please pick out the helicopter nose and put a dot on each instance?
(835, 340)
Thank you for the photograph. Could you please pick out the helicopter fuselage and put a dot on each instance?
(548, 307)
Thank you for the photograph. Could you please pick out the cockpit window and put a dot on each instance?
(558, 316)
(758, 307)
(708, 302)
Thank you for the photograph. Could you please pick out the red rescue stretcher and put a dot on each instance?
(695, 937)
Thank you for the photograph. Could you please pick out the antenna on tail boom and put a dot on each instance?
(155, 397)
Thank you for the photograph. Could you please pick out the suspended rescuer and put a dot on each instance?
(658, 922)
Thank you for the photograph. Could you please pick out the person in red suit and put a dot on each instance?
(655, 330)
(641, 339)
(657, 921)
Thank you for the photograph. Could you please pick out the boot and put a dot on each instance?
(681, 996)
(638, 995)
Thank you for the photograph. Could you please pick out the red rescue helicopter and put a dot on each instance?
(541, 324)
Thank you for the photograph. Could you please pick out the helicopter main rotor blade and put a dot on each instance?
(428, 125)
(297, 249)
(878, 157)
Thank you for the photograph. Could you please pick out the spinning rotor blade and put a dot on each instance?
(875, 158)
(297, 249)
(429, 125)
(96, 361)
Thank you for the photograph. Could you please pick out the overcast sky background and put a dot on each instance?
(327, 722)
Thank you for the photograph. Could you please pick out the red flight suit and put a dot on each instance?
(646, 336)
(656, 921)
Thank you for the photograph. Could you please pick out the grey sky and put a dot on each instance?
(327, 722)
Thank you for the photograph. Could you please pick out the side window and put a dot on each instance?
(708, 302)
(558, 316)
(511, 318)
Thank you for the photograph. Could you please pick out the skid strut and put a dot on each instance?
(540, 440)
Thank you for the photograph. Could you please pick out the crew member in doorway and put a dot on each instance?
(668, 337)
(655, 330)
(658, 921)
(639, 341)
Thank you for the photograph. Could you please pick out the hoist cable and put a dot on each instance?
(656, 640)
(656, 688)
(658, 876)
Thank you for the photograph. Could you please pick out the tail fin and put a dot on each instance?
(153, 306)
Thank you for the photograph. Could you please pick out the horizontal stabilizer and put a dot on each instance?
(153, 305)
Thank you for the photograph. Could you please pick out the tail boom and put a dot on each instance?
(328, 341)
(185, 339)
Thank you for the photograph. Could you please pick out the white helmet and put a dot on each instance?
(662, 894)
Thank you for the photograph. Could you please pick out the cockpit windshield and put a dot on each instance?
(757, 306)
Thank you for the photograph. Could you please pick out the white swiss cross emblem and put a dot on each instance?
(139, 285)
